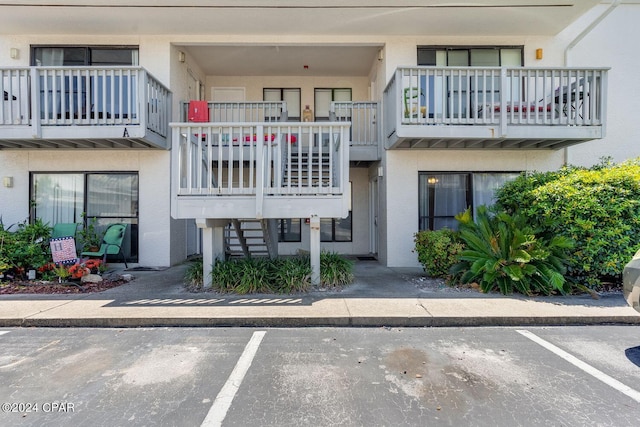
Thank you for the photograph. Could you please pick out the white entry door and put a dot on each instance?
(227, 94)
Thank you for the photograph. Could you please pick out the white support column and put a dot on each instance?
(212, 245)
(314, 248)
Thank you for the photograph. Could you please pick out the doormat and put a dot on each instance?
(146, 269)
(366, 258)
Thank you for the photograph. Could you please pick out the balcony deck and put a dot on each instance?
(83, 107)
(260, 170)
(494, 108)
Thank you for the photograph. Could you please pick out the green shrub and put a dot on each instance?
(335, 270)
(597, 208)
(503, 253)
(438, 250)
(24, 249)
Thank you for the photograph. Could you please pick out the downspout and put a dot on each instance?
(577, 40)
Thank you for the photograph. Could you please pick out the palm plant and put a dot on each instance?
(503, 253)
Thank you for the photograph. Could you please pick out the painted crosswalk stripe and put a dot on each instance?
(634, 394)
(221, 405)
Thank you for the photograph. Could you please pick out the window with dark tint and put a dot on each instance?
(84, 55)
(443, 195)
(470, 56)
(110, 197)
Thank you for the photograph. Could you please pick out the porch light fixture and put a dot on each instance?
(14, 53)
(181, 56)
(7, 181)
(539, 53)
(432, 180)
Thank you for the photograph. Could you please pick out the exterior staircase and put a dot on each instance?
(245, 238)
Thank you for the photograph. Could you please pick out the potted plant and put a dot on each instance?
(89, 236)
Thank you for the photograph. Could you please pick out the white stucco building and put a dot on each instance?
(418, 110)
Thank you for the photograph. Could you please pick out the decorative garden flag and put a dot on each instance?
(63, 250)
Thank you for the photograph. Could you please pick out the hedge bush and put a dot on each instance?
(598, 208)
(438, 250)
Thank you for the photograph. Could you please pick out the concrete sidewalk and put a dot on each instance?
(380, 296)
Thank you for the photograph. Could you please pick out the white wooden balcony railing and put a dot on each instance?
(363, 117)
(496, 103)
(82, 102)
(242, 111)
(260, 170)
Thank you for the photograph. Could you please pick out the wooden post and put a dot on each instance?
(314, 249)
(212, 245)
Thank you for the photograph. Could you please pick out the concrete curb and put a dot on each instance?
(297, 322)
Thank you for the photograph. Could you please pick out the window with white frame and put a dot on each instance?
(443, 195)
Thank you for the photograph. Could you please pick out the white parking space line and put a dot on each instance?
(4, 332)
(634, 394)
(221, 405)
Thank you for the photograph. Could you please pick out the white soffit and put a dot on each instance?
(291, 17)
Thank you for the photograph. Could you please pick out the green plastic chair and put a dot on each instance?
(64, 229)
(111, 243)
(411, 100)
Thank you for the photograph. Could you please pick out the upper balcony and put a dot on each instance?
(361, 118)
(494, 108)
(83, 107)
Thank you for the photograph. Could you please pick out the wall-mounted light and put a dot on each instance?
(380, 55)
(181, 56)
(14, 53)
(539, 53)
(7, 181)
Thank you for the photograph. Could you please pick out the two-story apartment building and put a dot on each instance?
(339, 125)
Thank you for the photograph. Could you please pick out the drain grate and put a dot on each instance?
(366, 258)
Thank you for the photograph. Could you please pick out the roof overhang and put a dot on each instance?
(291, 17)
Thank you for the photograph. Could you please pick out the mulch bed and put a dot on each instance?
(37, 287)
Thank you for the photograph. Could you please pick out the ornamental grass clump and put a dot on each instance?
(335, 270)
(280, 275)
(503, 253)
